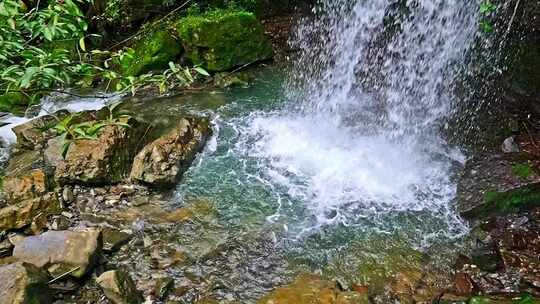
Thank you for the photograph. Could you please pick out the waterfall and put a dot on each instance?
(359, 142)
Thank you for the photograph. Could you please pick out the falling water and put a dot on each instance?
(359, 142)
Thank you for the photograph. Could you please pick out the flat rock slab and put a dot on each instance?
(61, 252)
(23, 283)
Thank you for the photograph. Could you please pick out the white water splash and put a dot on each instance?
(363, 142)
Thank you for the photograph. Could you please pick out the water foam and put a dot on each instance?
(360, 140)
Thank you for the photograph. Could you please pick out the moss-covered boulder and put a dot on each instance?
(152, 51)
(14, 102)
(223, 39)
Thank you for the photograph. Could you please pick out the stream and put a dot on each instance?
(334, 165)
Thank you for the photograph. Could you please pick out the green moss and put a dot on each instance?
(151, 52)
(522, 170)
(14, 102)
(223, 39)
(511, 201)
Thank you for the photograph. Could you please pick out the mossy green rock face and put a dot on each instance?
(221, 40)
(14, 102)
(152, 52)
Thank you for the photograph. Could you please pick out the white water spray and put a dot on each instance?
(370, 91)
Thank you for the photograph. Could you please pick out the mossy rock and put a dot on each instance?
(14, 102)
(223, 39)
(151, 52)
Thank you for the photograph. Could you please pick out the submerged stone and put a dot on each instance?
(61, 252)
(221, 40)
(312, 289)
(162, 162)
(24, 283)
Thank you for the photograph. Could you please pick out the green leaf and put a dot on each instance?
(201, 71)
(27, 78)
(11, 23)
(82, 45)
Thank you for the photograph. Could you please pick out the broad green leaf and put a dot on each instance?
(201, 71)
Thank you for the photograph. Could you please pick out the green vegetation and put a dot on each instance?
(522, 170)
(203, 39)
(44, 48)
(71, 131)
(486, 10)
(513, 200)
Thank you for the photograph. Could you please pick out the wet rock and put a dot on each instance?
(498, 184)
(163, 287)
(222, 40)
(119, 287)
(162, 162)
(25, 177)
(37, 131)
(61, 251)
(23, 283)
(67, 195)
(18, 215)
(509, 146)
(448, 298)
(463, 284)
(104, 160)
(507, 258)
(113, 239)
(486, 258)
(60, 222)
(312, 289)
(6, 248)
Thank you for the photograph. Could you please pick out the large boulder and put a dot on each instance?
(312, 289)
(162, 162)
(223, 39)
(25, 177)
(152, 51)
(24, 283)
(104, 160)
(21, 214)
(119, 287)
(60, 252)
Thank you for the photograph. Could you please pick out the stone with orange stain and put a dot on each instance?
(21, 214)
(24, 178)
(313, 289)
